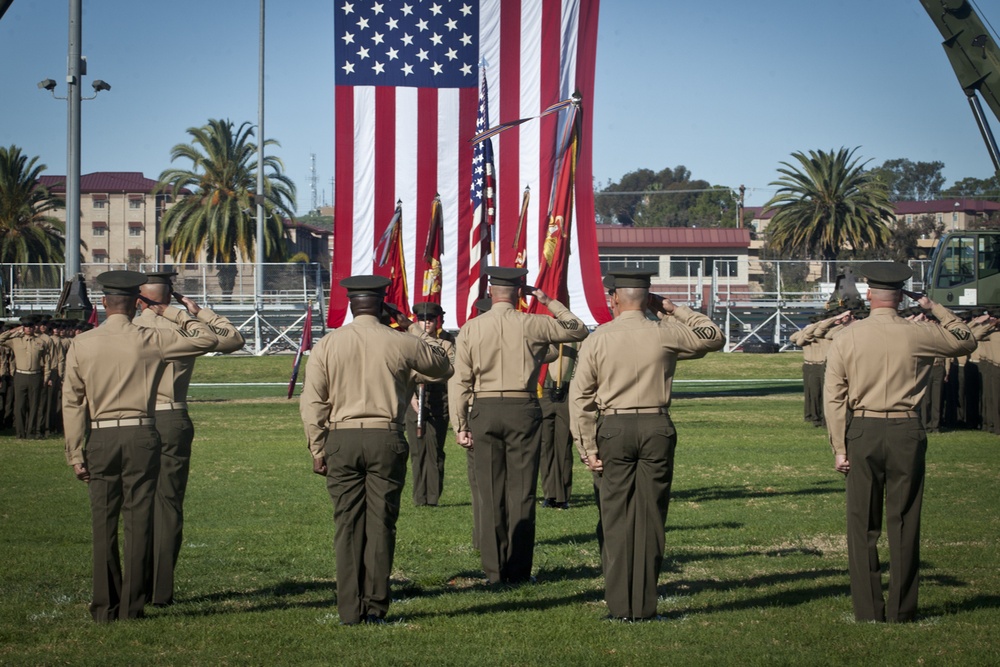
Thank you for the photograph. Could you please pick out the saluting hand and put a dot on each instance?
(81, 472)
(925, 302)
(541, 297)
(191, 306)
(841, 464)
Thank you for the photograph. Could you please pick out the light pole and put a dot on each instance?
(76, 69)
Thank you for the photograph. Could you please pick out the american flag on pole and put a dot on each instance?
(406, 105)
(483, 196)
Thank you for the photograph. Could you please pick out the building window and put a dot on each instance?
(134, 203)
(99, 203)
(684, 267)
(100, 257)
(647, 262)
(954, 217)
(940, 218)
(99, 230)
(135, 229)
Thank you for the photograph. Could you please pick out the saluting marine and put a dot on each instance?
(359, 381)
(619, 411)
(109, 398)
(174, 427)
(876, 374)
(497, 363)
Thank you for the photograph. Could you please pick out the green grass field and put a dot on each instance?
(755, 570)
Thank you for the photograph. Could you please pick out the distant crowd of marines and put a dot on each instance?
(962, 392)
(382, 376)
(32, 363)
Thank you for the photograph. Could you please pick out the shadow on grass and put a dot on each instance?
(270, 598)
(708, 493)
(770, 390)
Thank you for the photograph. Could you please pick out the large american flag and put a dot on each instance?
(407, 90)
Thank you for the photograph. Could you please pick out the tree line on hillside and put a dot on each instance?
(827, 205)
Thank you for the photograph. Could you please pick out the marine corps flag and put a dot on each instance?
(389, 252)
(552, 270)
(431, 289)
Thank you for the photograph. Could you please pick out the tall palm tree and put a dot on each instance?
(219, 216)
(826, 202)
(27, 233)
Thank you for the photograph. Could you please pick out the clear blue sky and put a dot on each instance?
(727, 88)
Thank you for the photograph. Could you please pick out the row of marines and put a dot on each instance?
(32, 363)
(962, 391)
(362, 377)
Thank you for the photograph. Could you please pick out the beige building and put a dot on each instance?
(119, 217)
(120, 222)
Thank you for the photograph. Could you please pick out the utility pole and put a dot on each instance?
(739, 208)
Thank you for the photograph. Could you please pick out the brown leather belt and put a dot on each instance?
(662, 410)
(505, 394)
(178, 405)
(367, 425)
(899, 414)
(114, 423)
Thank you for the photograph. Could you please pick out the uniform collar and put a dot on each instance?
(632, 315)
(117, 320)
(367, 321)
(502, 305)
(884, 312)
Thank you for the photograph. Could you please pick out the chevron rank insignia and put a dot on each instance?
(960, 334)
(572, 325)
(705, 333)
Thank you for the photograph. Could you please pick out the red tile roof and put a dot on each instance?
(106, 181)
(615, 236)
(971, 206)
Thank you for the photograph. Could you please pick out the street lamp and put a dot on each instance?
(76, 69)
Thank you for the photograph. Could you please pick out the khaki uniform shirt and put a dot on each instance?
(503, 348)
(363, 372)
(30, 354)
(630, 362)
(6, 361)
(112, 371)
(881, 364)
(173, 387)
(812, 338)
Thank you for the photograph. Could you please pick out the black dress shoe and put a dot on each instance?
(372, 619)
(549, 502)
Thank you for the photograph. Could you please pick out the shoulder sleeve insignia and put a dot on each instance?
(706, 333)
(960, 334)
(185, 333)
(572, 325)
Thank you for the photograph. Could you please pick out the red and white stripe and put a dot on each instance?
(409, 143)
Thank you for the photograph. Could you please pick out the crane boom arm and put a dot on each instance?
(975, 57)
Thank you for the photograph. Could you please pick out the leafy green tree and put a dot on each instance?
(906, 180)
(826, 202)
(668, 198)
(987, 189)
(903, 240)
(219, 216)
(28, 234)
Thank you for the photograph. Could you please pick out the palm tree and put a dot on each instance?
(219, 216)
(825, 203)
(27, 234)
